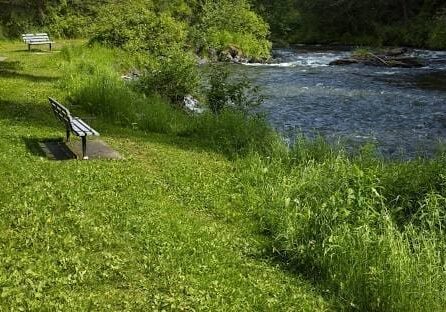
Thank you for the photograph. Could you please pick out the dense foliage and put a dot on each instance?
(207, 27)
(397, 22)
(213, 27)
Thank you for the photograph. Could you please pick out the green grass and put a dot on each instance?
(159, 230)
(205, 213)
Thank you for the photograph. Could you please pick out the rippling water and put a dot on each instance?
(400, 110)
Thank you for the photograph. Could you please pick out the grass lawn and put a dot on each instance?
(162, 229)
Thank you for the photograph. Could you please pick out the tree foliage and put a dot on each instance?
(202, 25)
(372, 22)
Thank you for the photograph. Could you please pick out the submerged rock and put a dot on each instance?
(346, 61)
(389, 58)
(132, 75)
(192, 105)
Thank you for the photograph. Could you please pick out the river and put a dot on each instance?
(401, 111)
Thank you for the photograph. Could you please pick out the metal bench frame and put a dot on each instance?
(73, 125)
(37, 39)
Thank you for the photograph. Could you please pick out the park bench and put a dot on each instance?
(73, 125)
(37, 39)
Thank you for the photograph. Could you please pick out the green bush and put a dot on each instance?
(135, 26)
(239, 95)
(173, 75)
(437, 38)
(93, 81)
(229, 23)
(234, 134)
(70, 26)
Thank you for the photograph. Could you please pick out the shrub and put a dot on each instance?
(173, 75)
(229, 23)
(437, 38)
(135, 26)
(222, 94)
(234, 134)
(69, 26)
(93, 82)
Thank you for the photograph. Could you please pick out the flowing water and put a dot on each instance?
(401, 111)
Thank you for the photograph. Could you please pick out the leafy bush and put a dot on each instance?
(437, 37)
(232, 23)
(69, 26)
(135, 26)
(92, 81)
(159, 40)
(173, 75)
(240, 95)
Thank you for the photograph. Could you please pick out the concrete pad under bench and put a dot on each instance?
(96, 149)
(59, 150)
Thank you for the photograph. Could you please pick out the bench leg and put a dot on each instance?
(29, 47)
(50, 46)
(84, 147)
(68, 135)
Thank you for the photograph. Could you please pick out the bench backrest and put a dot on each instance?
(61, 112)
(34, 38)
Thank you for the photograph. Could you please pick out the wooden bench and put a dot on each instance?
(37, 39)
(73, 125)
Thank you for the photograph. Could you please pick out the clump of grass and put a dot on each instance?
(362, 53)
(94, 82)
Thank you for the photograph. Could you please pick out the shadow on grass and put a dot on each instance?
(12, 70)
(51, 148)
(8, 66)
(183, 142)
(27, 112)
(41, 50)
(310, 275)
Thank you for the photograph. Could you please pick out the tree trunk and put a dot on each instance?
(405, 11)
(40, 8)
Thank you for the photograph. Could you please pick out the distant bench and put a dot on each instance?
(73, 125)
(37, 39)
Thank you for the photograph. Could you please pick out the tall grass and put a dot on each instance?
(355, 226)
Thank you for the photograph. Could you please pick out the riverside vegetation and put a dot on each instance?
(207, 212)
(212, 28)
(416, 23)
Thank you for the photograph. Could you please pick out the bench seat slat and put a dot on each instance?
(86, 128)
(38, 39)
(78, 128)
(75, 124)
(39, 42)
